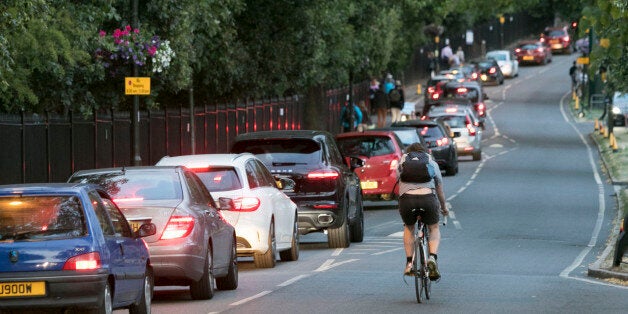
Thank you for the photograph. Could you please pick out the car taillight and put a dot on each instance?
(566, 38)
(474, 76)
(492, 70)
(435, 96)
(431, 89)
(461, 90)
(481, 106)
(539, 49)
(323, 174)
(442, 142)
(518, 50)
(86, 261)
(178, 227)
(246, 204)
(471, 129)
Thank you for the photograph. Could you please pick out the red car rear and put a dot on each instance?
(558, 39)
(381, 152)
(533, 52)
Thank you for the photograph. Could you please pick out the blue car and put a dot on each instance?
(68, 246)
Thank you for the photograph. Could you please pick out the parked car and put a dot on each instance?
(265, 219)
(326, 190)
(621, 246)
(472, 91)
(463, 123)
(407, 135)
(68, 247)
(194, 245)
(380, 152)
(438, 140)
(506, 61)
(620, 108)
(558, 39)
(533, 52)
(490, 72)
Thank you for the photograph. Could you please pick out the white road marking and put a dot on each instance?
(259, 295)
(337, 252)
(329, 264)
(292, 280)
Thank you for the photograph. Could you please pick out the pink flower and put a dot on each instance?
(152, 50)
(128, 28)
(102, 33)
(137, 30)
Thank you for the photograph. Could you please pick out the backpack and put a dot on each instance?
(345, 115)
(417, 168)
(395, 95)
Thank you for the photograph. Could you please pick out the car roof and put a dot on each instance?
(366, 133)
(421, 122)
(204, 160)
(498, 52)
(47, 188)
(124, 169)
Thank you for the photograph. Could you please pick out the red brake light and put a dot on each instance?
(127, 199)
(246, 204)
(518, 50)
(481, 106)
(178, 227)
(451, 110)
(474, 75)
(323, 174)
(566, 38)
(431, 89)
(471, 129)
(461, 90)
(492, 70)
(86, 261)
(435, 96)
(443, 141)
(394, 164)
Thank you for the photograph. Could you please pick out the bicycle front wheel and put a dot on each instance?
(418, 270)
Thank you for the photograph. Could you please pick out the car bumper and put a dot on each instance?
(62, 291)
(176, 260)
(378, 186)
(252, 238)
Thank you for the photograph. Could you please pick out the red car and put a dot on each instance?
(533, 52)
(381, 152)
(558, 39)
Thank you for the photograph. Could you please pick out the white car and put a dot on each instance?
(464, 124)
(265, 219)
(507, 62)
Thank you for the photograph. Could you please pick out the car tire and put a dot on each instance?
(143, 305)
(106, 305)
(339, 237)
(477, 155)
(293, 253)
(357, 227)
(230, 282)
(203, 289)
(267, 259)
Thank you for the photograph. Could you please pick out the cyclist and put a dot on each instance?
(428, 196)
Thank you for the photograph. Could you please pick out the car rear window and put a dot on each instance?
(431, 132)
(529, 47)
(497, 56)
(408, 137)
(137, 185)
(555, 33)
(219, 179)
(281, 152)
(366, 146)
(454, 121)
(33, 218)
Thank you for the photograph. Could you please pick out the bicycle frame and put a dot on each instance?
(422, 281)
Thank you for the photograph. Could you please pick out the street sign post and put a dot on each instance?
(137, 85)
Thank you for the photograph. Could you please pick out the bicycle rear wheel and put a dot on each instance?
(427, 283)
(418, 270)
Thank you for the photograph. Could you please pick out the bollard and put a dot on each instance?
(596, 126)
(611, 139)
(574, 96)
(418, 89)
(601, 129)
(577, 105)
(605, 133)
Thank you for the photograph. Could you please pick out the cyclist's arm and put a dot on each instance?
(441, 198)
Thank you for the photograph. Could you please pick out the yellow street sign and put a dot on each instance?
(502, 19)
(582, 60)
(137, 85)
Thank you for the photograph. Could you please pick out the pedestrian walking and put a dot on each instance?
(396, 99)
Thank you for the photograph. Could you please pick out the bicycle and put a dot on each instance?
(422, 282)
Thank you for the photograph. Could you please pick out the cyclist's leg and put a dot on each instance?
(409, 220)
(434, 238)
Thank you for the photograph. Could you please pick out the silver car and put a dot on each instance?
(464, 125)
(194, 245)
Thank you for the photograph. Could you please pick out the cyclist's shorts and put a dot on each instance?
(427, 207)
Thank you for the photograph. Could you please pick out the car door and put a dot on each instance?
(283, 212)
(121, 248)
(218, 228)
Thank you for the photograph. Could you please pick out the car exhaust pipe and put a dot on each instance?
(325, 218)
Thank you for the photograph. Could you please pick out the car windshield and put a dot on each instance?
(485, 64)
(454, 121)
(36, 218)
(281, 152)
(555, 33)
(366, 146)
(137, 185)
(528, 47)
(431, 132)
(496, 56)
(218, 179)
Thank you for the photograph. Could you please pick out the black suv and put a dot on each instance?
(326, 190)
(439, 142)
(470, 90)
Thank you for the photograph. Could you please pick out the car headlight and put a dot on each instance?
(616, 110)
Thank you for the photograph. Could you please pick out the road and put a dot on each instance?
(527, 221)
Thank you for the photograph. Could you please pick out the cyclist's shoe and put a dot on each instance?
(433, 268)
(408, 271)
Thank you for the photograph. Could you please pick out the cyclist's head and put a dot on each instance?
(416, 147)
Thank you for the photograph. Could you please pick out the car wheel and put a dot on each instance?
(452, 168)
(230, 282)
(204, 288)
(143, 305)
(267, 259)
(106, 305)
(357, 227)
(293, 253)
(339, 237)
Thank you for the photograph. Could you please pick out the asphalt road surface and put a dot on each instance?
(527, 220)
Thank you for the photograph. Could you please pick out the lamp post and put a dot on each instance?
(135, 121)
(502, 19)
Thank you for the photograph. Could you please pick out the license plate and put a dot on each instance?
(366, 185)
(22, 289)
(557, 46)
(135, 225)
(554, 41)
(527, 58)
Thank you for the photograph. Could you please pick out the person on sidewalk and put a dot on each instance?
(350, 118)
(396, 99)
(379, 103)
(366, 118)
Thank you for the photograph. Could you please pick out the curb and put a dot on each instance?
(595, 270)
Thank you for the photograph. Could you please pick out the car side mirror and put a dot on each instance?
(225, 203)
(285, 183)
(147, 229)
(455, 134)
(355, 162)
